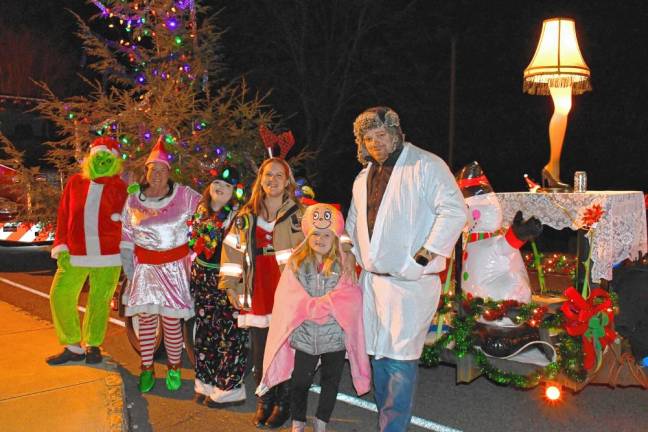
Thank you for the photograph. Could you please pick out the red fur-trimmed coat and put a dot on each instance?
(89, 221)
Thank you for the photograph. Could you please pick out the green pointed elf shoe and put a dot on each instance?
(146, 380)
(173, 380)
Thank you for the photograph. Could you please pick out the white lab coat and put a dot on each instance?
(422, 206)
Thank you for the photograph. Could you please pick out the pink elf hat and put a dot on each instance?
(159, 153)
(323, 216)
(105, 144)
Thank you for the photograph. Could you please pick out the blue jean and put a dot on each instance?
(394, 388)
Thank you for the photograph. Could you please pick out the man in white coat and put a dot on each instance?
(405, 218)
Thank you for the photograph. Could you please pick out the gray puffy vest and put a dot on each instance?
(310, 337)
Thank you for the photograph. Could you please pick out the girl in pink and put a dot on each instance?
(317, 316)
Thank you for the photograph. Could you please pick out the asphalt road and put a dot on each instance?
(446, 406)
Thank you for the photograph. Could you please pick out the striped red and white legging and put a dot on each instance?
(172, 338)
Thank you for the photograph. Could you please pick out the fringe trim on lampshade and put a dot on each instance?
(542, 88)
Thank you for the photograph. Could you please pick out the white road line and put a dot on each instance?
(370, 406)
(42, 294)
(351, 400)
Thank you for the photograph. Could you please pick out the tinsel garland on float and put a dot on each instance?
(569, 349)
(585, 323)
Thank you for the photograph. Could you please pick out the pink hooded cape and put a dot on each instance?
(292, 306)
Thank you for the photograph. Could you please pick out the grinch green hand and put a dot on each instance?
(63, 260)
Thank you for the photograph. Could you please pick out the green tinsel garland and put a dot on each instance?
(569, 349)
(570, 357)
(501, 377)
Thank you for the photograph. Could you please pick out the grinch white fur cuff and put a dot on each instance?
(58, 249)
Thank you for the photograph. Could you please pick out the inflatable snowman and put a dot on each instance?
(492, 266)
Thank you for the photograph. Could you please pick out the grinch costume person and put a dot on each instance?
(86, 246)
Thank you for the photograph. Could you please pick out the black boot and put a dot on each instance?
(263, 409)
(280, 414)
(281, 411)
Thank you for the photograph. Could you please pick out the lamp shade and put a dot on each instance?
(557, 61)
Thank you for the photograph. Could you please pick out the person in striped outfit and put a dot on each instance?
(157, 261)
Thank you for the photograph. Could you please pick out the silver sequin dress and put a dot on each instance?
(159, 225)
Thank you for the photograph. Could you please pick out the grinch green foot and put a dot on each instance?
(146, 381)
(173, 380)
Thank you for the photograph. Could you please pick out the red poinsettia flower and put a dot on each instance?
(592, 215)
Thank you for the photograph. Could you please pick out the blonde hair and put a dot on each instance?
(256, 203)
(305, 253)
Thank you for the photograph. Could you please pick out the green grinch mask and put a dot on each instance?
(101, 164)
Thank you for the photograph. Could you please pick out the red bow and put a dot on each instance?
(285, 141)
(592, 319)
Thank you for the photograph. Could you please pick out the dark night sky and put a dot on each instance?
(403, 61)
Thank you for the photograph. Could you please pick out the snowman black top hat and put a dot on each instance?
(472, 181)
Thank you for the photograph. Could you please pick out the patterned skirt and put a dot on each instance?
(219, 344)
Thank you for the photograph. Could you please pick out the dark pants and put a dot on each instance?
(302, 378)
(279, 394)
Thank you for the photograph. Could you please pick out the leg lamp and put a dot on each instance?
(557, 69)
(557, 127)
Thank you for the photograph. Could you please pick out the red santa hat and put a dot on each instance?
(472, 181)
(105, 144)
(159, 153)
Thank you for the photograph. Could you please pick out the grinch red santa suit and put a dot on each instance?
(492, 266)
(86, 246)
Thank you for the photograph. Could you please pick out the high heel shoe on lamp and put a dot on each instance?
(551, 184)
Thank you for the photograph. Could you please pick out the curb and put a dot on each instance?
(116, 409)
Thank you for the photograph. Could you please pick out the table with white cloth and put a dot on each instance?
(619, 234)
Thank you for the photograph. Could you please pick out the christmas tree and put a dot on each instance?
(160, 76)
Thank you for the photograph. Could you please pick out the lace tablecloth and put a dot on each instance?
(619, 234)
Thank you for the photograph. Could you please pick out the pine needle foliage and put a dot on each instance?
(160, 75)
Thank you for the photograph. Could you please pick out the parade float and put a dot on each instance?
(579, 319)
(559, 320)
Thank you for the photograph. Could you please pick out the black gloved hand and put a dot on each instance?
(526, 230)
